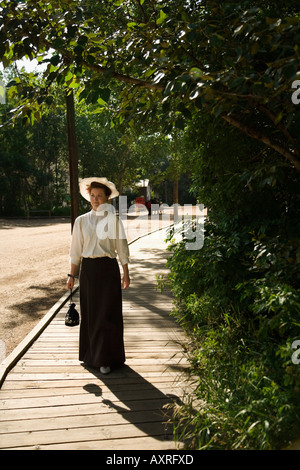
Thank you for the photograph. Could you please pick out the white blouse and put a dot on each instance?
(97, 234)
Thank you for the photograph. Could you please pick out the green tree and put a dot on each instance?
(226, 58)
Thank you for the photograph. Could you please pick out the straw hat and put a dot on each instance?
(84, 184)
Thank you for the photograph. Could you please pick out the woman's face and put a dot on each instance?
(97, 197)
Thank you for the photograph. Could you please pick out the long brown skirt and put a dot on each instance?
(101, 326)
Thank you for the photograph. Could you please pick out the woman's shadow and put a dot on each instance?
(137, 400)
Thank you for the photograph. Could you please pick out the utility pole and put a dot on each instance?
(73, 156)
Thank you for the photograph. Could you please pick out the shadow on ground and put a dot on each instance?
(43, 298)
(138, 401)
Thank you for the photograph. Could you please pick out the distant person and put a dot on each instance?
(98, 237)
(148, 205)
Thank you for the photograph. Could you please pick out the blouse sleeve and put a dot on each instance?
(121, 244)
(76, 244)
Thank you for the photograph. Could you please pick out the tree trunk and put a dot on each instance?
(175, 198)
(175, 191)
(73, 157)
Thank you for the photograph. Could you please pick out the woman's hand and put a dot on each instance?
(70, 283)
(125, 281)
(71, 276)
(126, 278)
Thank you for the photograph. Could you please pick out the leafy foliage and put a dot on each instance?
(170, 58)
(238, 297)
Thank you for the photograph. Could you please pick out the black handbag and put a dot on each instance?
(72, 316)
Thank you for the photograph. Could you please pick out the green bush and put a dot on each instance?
(241, 336)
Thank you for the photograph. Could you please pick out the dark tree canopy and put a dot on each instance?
(171, 59)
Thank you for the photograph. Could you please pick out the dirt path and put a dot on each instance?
(34, 263)
(33, 267)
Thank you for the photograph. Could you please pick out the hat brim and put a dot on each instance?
(84, 184)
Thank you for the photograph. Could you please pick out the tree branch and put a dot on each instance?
(282, 128)
(258, 135)
(68, 56)
(124, 78)
(142, 10)
(256, 100)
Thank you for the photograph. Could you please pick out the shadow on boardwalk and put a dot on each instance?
(143, 405)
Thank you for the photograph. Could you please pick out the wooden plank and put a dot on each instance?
(146, 360)
(123, 397)
(79, 421)
(81, 375)
(138, 443)
(73, 389)
(104, 433)
(76, 409)
(14, 386)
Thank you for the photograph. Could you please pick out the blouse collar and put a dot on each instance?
(105, 208)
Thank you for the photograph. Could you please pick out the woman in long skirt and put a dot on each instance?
(97, 238)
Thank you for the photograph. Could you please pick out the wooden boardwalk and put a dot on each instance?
(50, 401)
